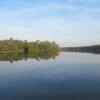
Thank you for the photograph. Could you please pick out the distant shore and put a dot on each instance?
(89, 49)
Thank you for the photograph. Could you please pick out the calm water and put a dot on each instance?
(70, 76)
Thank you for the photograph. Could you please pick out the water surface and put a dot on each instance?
(69, 76)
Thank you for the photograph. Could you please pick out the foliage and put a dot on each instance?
(37, 46)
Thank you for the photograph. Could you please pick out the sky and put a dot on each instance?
(68, 22)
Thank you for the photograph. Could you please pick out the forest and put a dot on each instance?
(89, 49)
(25, 46)
(14, 50)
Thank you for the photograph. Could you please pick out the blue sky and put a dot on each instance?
(69, 22)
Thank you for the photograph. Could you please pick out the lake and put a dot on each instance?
(69, 76)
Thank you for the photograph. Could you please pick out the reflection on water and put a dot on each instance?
(71, 76)
(16, 56)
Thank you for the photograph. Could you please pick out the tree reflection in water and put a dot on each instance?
(16, 56)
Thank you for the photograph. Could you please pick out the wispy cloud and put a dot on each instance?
(52, 6)
(32, 9)
(72, 8)
(69, 21)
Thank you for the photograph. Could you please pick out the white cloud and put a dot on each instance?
(66, 33)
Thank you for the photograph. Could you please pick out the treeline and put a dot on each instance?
(91, 49)
(25, 46)
(11, 45)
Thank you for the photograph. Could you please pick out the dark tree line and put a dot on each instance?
(91, 49)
